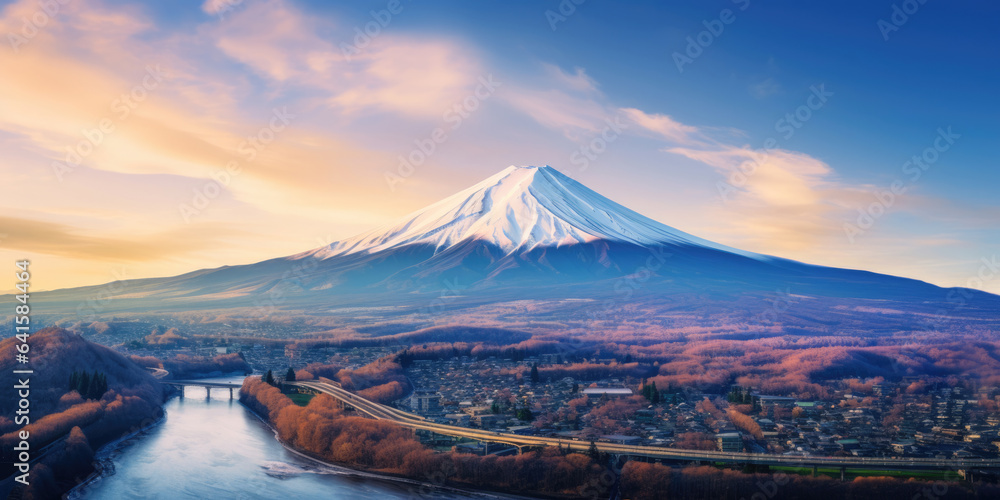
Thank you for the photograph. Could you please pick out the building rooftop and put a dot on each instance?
(607, 390)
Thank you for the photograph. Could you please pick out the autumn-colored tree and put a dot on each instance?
(184, 366)
(745, 423)
(695, 441)
(384, 393)
(644, 480)
(323, 430)
(87, 396)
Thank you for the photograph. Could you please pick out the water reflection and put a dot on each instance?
(215, 448)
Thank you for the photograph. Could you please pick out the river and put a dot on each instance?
(216, 448)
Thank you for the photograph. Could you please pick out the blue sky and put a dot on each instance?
(329, 174)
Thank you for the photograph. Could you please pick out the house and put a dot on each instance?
(611, 392)
(485, 421)
(902, 446)
(425, 400)
(772, 401)
(730, 442)
(848, 444)
(809, 407)
(460, 419)
(476, 411)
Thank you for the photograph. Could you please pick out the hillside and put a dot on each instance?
(534, 234)
(124, 399)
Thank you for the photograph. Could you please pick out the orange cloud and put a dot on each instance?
(413, 76)
(777, 200)
(320, 177)
(79, 93)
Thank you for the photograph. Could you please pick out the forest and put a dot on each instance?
(183, 366)
(802, 367)
(87, 396)
(325, 431)
(794, 354)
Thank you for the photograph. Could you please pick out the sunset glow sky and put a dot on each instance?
(311, 121)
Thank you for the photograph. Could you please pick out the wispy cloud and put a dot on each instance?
(62, 240)
(226, 69)
(787, 203)
(664, 126)
(394, 73)
(765, 88)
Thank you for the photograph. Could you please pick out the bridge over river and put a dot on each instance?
(181, 384)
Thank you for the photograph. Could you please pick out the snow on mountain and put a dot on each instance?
(525, 233)
(517, 210)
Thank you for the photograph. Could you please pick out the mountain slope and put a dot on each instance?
(519, 209)
(524, 233)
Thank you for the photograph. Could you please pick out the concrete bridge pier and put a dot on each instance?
(843, 473)
(230, 393)
(815, 467)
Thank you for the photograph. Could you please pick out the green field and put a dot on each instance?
(852, 473)
(300, 399)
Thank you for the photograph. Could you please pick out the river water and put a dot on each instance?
(215, 448)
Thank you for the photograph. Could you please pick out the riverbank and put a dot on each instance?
(382, 476)
(324, 429)
(218, 448)
(103, 456)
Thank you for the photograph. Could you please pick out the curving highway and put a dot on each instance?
(411, 421)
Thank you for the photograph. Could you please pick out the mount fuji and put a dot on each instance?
(524, 233)
(518, 210)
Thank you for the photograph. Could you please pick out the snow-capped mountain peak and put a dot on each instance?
(519, 209)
